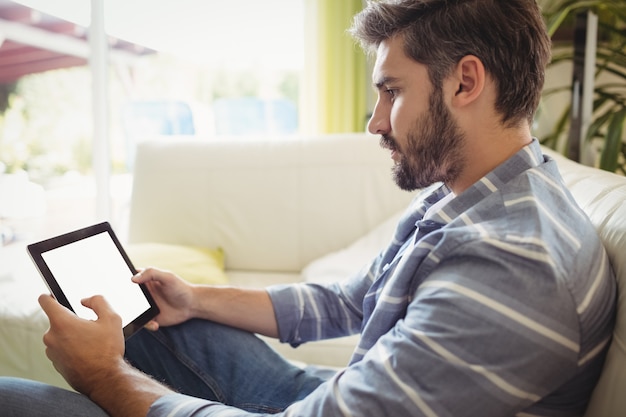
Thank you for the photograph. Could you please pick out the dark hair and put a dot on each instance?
(508, 36)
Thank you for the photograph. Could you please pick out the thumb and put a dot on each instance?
(99, 305)
(152, 325)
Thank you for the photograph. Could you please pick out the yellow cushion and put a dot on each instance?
(195, 264)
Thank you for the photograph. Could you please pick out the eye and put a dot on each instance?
(391, 92)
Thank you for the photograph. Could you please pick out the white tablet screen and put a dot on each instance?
(94, 266)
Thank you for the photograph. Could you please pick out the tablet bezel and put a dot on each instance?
(36, 250)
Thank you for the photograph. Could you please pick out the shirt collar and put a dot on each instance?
(530, 156)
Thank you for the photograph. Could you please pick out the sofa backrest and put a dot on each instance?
(272, 205)
(602, 196)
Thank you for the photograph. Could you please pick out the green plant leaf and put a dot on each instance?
(613, 142)
(593, 131)
(609, 106)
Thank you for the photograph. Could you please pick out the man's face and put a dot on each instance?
(414, 121)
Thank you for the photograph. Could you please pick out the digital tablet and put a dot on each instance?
(91, 261)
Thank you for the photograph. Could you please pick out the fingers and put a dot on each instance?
(45, 301)
(51, 306)
(98, 304)
(55, 311)
(147, 275)
(58, 316)
(152, 325)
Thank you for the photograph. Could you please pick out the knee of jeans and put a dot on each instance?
(191, 332)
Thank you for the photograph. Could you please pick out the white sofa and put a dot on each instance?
(294, 210)
(274, 207)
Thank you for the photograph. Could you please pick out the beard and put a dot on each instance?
(434, 149)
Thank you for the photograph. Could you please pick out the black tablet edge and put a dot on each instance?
(54, 288)
(138, 323)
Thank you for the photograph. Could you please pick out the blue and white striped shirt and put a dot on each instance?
(500, 303)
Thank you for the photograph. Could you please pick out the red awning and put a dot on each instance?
(33, 42)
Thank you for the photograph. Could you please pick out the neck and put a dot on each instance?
(488, 149)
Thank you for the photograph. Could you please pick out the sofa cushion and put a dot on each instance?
(193, 263)
(340, 264)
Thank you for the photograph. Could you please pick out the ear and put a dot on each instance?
(469, 79)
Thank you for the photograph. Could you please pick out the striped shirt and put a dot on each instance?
(500, 302)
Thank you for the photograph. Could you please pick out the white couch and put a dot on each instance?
(274, 207)
(293, 210)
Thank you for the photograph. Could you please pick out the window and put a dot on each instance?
(212, 58)
(219, 70)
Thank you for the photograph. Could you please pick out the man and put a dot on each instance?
(494, 299)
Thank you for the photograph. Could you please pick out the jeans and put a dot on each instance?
(197, 358)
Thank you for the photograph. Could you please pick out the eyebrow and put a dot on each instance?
(383, 81)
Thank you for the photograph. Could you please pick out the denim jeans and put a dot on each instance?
(197, 358)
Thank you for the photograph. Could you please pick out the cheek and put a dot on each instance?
(400, 117)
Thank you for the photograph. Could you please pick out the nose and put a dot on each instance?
(379, 122)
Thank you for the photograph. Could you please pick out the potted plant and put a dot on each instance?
(606, 128)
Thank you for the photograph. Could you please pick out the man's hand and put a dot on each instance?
(83, 351)
(172, 294)
(179, 301)
(90, 356)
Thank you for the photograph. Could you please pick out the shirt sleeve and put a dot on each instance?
(307, 312)
(179, 405)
